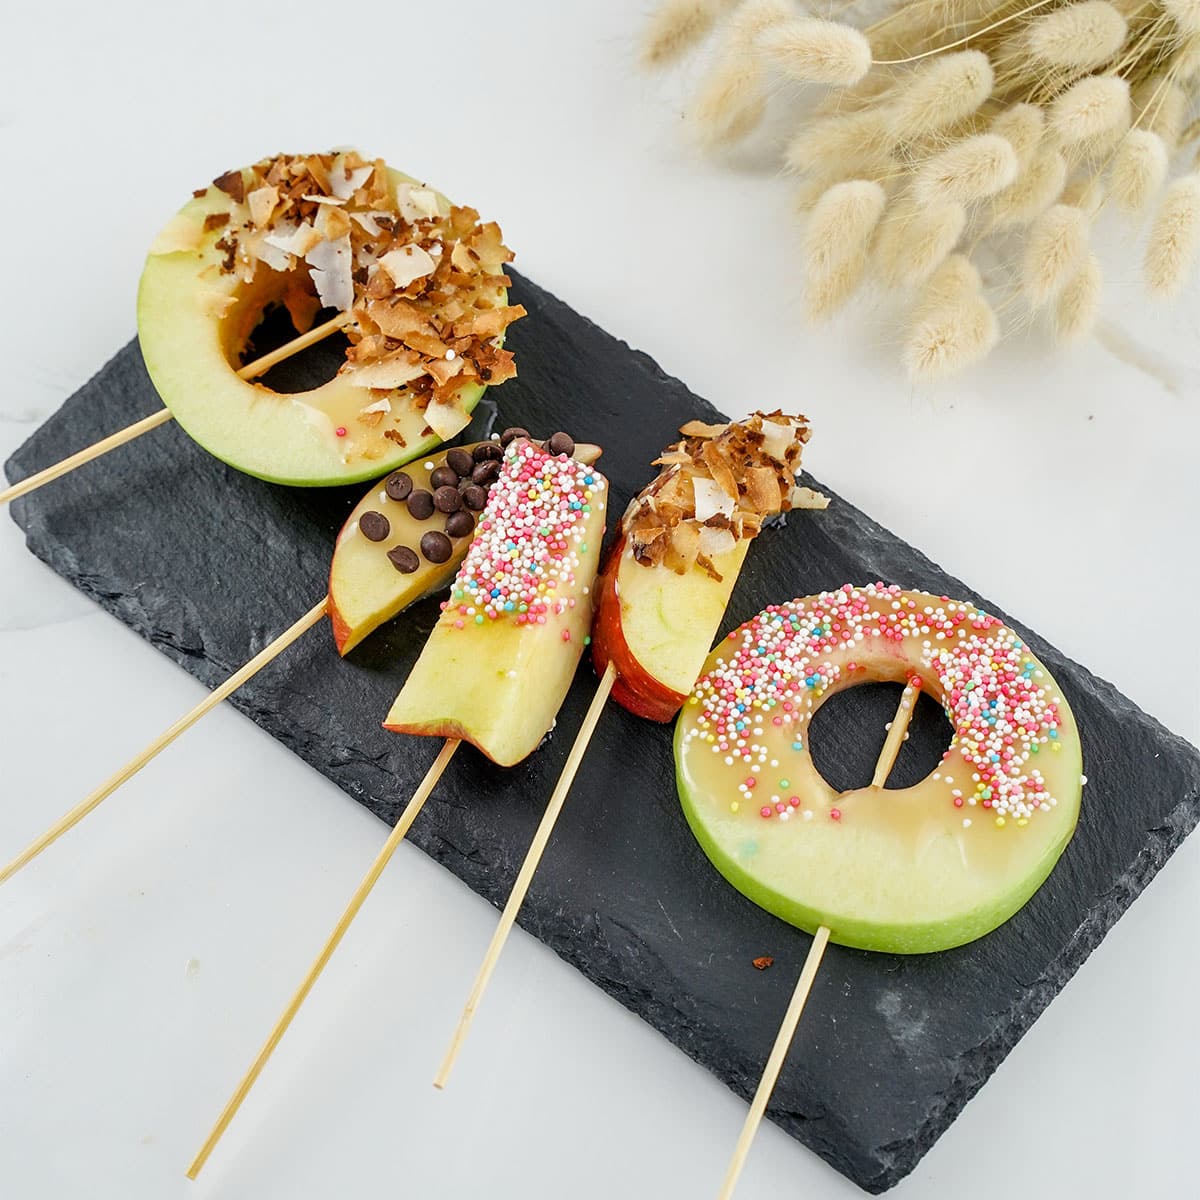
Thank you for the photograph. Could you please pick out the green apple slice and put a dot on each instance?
(193, 323)
(366, 588)
(907, 870)
(493, 676)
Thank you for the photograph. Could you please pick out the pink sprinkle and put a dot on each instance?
(835, 814)
(340, 431)
(751, 781)
(765, 811)
(566, 635)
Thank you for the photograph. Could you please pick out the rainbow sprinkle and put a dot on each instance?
(522, 562)
(775, 668)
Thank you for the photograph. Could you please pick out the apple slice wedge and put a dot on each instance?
(660, 600)
(366, 587)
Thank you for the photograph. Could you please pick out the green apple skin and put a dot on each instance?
(871, 891)
(365, 590)
(189, 350)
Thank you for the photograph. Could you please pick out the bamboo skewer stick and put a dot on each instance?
(896, 735)
(253, 370)
(783, 1042)
(131, 768)
(525, 876)
(808, 973)
(356, 902)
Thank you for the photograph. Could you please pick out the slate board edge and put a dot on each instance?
(975, 1067)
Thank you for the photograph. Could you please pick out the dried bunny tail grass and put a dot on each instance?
(942, 92)
(1078, 303)
(972, 169)
(955, 280)
(1174, 238)
(731, 101)
(1185, 14)
(1090, 110)
(1033, 191)
(914, 239)
(752, 18)
(854, 140)
(1086, 193)
(836, 242)
(1022, 126)
(1077, 37)
(816, 51)
(1057, 242)
(1139, 169)
(675, 27)
(1162, 107)
(1187, 59)
(951, 338)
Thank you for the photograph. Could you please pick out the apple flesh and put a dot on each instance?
(656, 627)
(193, 323)
(365, 589)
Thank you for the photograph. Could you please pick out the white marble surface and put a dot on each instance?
(143, 959)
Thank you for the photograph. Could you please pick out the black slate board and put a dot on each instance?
(209, 565)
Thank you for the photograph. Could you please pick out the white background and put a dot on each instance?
(143, 959)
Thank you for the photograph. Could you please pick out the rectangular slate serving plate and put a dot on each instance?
(208, 565)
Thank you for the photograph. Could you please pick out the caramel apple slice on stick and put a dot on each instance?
(501, 658)
(404, 540)
(662, 597)
(903, 871)
(417, 283)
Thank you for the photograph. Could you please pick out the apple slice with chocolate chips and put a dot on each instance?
(408, 535)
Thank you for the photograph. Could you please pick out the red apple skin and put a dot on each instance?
(635, 689)
(341, 630)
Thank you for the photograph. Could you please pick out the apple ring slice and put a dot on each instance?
(420, 282)
(908, 870)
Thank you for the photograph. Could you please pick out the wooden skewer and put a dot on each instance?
(250, 371)
(783, 1041)
(787, 1030)
(532, 858)
(339, 930)
(164, 739)
(895, 737)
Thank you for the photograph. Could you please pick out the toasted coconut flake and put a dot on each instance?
(332, 264)
(446, 418)
(299, 240)
(714, 460)
(387, 373)
(805, 497)
(701, 429)
(711, 499)
(382, 405)
(345, 183)
(217, 304)
(232, 184)
(369, 221)
(262, 202)
(406, 264)
(762, 489)
(714, 542)
(316, 198)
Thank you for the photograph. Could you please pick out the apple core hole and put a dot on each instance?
(310, 368)
(847, 733)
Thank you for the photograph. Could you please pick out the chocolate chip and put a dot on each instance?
(474, 497)
(485, 473)
(459, 524)
(447, 499)
(459, 461)
(436, 547)
(561, 443)
(404, 559)
(512, 433)
(488, 452)
(420, 505)
(375, 526)
(443, 477)
(398, 485)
